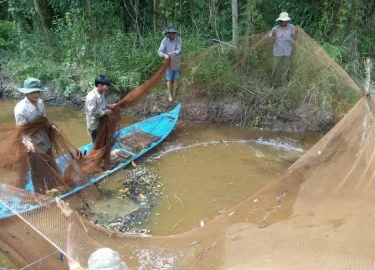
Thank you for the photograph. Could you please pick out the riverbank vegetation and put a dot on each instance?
(67, 43)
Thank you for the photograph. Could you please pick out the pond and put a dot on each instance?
(203, 169)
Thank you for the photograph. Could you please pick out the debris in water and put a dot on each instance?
(195, 243)
(202, 223)
(138, 195)
(123, 190)
(53, 192)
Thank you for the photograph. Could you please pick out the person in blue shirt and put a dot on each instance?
(282, 36)
(170, 47)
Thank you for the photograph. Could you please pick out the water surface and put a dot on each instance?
(204, 168)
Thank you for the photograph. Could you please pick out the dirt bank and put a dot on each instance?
(228, 109)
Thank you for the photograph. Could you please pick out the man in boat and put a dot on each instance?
(282, 36)
(96, 106)
(170, 47)
(30, 115)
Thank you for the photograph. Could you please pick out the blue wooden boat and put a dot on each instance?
(159, 127)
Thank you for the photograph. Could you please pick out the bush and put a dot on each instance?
(6, 30)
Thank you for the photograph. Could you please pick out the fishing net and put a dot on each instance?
(74, 167)
(137, 141)
(109, 124)
(317, 215)
(31, 180)
(314, 81)
(43, 167)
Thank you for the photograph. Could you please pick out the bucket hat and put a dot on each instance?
(284, 16)
(31, 85)
(105, 258)
(170, 29)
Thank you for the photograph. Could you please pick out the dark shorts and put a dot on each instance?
(171, 75)
(93, 135)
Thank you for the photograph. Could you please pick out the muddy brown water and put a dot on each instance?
(204, 168)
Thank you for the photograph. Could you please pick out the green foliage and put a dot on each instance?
(212, 70)
(6, 30)
(23, 12)
(120, 39)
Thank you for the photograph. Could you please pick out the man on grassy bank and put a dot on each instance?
(170, 47)
(282, 36)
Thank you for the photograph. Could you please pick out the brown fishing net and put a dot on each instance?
(317, 215)
(77, 166)
(51, 177)
(44, 170)
(137, 141)
(67, 236)
(110, 123)
(314, 81)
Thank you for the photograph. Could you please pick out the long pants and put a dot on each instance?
(280, 70)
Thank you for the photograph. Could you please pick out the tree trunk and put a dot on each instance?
(234, 22)
(250, 6)
(368, 66)
(154, 16)
(134, 15)
(192, 6)
(91, 18)
(42, 21)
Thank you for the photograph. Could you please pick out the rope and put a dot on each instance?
(39, 260)
(35, 229)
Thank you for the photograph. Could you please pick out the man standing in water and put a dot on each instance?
(38, 144)
(96, 106)
(282, 36)
(170, 47)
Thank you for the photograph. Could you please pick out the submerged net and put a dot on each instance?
(317, 215)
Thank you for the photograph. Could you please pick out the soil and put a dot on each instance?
(226, 109)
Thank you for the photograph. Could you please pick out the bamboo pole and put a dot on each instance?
(368, 65)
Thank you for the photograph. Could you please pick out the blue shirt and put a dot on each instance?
(172, 48)
(283, 40)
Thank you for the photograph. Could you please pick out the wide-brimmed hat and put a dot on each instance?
(170, 30)
(105, 258)
(31, 85)
(284, 16)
